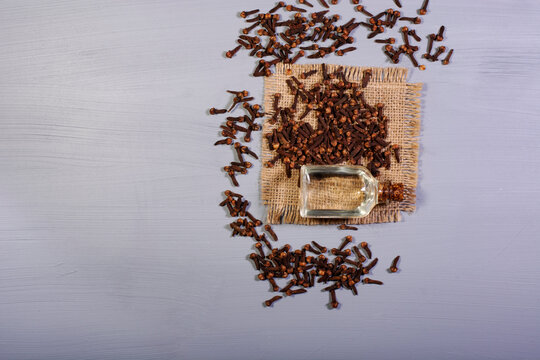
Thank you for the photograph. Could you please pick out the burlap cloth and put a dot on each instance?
(402, 106)
(328, 193)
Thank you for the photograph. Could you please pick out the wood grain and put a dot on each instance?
(112, 245)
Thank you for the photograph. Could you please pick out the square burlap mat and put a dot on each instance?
(402, 106)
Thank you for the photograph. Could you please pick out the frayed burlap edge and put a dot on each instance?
(410, 122)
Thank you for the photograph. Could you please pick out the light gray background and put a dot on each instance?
(112, 245)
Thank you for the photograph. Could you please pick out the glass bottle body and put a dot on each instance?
(337, 191)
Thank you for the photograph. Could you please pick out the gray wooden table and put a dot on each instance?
(112, 245)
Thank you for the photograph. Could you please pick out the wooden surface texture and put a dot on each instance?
(112, 245)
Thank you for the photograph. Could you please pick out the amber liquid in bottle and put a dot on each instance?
(342, 191)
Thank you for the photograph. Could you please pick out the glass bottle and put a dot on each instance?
(342, 191)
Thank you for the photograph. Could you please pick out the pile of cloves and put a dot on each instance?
(281, 40)
(319, 27)
(312, 264)
(246, 224)
(388, 18)
(348, 128)
(232, 128)
(307, 266)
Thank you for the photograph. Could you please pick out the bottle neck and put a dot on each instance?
(390, 192)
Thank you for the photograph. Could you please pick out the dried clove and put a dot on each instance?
(364, 245)
(323, 3)
(342, 52)
(370, 266)
(296, 292)
(227, 141)
(371, 281)
(232, 52)
(305, 2)
(440, 50)
(423, 9)
(363, 10)
(415, 20)
(214, 111)
(386, 41)
(439, 36)
(269, 302)
(268, 229)
(347, 227)
(393, 266)
(319, 247)
(334, 301)
(446, 60)
(412, 33)
(346, 241)
(245, 14)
